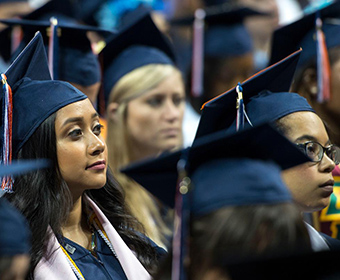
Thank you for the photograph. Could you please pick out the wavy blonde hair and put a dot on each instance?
(142, 205)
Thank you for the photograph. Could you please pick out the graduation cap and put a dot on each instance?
(159, 176)
(23, 166)
(136, 45)
(218, 171)
(315, 33)
(264, 98)
(225, 36)
(15, 234)
(29, 97)
(69, 50)
(12, 1)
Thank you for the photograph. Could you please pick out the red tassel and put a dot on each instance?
(6, 159)
(323, 65)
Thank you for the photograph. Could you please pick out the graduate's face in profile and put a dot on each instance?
(154, 120)
(81, 150)
(311, 183)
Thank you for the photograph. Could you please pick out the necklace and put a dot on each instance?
(93, 220)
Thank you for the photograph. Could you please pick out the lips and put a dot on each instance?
(99, 165)
(171, 131)
(328, 186)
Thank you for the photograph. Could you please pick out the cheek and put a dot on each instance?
(300, 180)
(141, 120)
(66, 156)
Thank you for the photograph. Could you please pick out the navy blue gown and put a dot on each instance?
(105, 266)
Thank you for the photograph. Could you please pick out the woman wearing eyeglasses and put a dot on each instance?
(311, 184)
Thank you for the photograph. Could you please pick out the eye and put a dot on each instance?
(98, 129)
(313, 150)
(75, 133)
(178, 100)
(155, 101)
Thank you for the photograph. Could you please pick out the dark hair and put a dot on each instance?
(45, 200)
(235, 234)
(334, 56)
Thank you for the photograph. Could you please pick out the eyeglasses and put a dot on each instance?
(315, 151)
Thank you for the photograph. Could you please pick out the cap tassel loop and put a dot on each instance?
(239, 108)
(179, 244)
(323, 65)
(198, 54)
(53, 48)
(6, 157)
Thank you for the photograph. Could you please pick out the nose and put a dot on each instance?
(171, 111)
(96, 145)
(326, 164)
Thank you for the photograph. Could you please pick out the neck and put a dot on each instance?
(76, 227)
(138, 153)
(262, 44)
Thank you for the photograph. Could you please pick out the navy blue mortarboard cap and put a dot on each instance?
(228, 182)
(267, 91)
(226, 35)
(225, 41)
(35, 95)
(301, 33)
(23, 166)
(159, 176)
(11, 1)
(74, 59)
(136, 45)
(15, 234)
(227, 14)
(214, 2)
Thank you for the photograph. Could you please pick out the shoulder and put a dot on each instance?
(334, 244)
(161, 252)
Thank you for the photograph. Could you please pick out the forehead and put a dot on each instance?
(305, 124)
(169, 85)
(82, 108)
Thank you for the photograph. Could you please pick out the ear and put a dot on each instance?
(309, 84)
(111, 111)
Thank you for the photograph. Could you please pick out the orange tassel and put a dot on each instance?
(323, 65)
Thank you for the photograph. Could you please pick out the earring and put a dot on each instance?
(313, 90)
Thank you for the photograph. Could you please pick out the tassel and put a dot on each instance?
(6, 157)
(53, 48)
(198, 54)
(323, 65)
(16, 37)
(239, 108)
(179, 243)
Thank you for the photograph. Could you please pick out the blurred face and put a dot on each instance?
(14, 9)
(234, 70)
(311, 183)
(17, 269)
(262, 26)
(154, 120)
(334, 105)
(81, 150)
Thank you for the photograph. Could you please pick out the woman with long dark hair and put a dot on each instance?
(81, 228)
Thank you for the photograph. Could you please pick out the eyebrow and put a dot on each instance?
(310, 138)
(79, 119)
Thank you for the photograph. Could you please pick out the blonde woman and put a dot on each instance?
(145, 106)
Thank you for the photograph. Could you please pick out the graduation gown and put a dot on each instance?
(56, 267)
